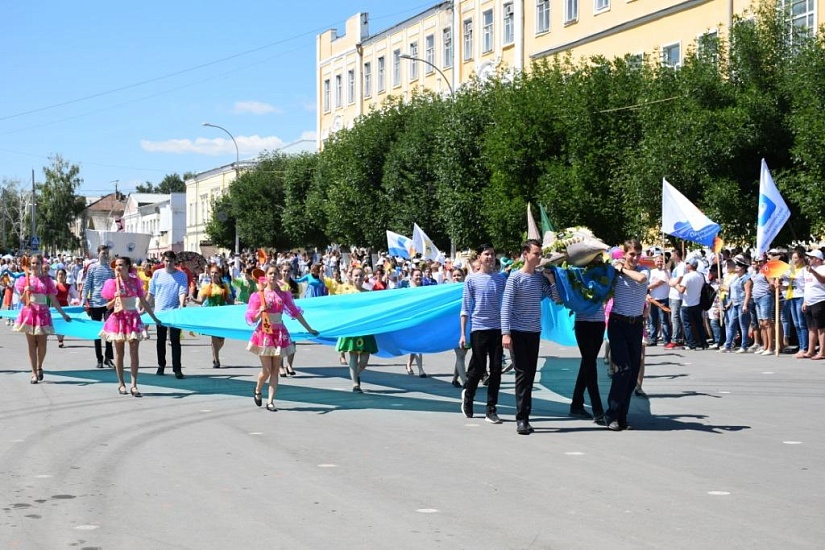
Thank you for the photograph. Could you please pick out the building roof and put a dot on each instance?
(108, 203)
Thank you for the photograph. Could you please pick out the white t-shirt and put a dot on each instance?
(662, 291)
(677, 272)
(814, 290)
(693, 281)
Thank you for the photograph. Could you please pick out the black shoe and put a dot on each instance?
(109, 363)
(581, 413)
(639, 392)
(258, 400)
(456, 384)
(100, 364)
(216, 364)
(357, 389)
(625, 426)
(160, 372)
(599, 419)
(178, 374)
(466, 406)
(524, 428)
(614, 426)
(492, 418)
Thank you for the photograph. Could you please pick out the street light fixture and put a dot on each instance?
(237, 174)
(452, 96)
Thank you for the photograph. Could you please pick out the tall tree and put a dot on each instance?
(57, 204)
(171, 183)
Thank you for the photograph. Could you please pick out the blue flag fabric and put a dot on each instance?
(773, 212)
(597, 282)
(682, 219)
(411, 320)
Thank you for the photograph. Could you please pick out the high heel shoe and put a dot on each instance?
(282, 373)
(40, 375)
(270, 406)
(135, 392)
(290, 371)
(122, 390)
(257, 398)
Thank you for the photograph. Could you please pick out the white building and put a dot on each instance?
(163, 216)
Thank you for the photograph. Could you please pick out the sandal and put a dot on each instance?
(290, 371)
(270, 406)
(33, 380)
(122, 390)
(135, 392)
(813, 358)
(257, 398)
(282, 373)
(40, 374)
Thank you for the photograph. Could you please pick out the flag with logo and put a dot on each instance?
(424, 245)
(399, 245)
(682, 219)
(773, 212)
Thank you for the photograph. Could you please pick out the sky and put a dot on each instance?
(122, 89)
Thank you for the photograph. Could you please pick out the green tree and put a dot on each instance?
(58, 205)
(303, 217)
(221, 225)
(171, 183)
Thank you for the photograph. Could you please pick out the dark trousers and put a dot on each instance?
(626, 353)
(589, 337)
(174, 338)
(694, 327)
(525, 357)
(101, 314)
(485, 344)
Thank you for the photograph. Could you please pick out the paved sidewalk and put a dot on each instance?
(727, 452)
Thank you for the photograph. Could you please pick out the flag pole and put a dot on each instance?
(776, 320)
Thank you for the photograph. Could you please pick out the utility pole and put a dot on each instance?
(34, 214)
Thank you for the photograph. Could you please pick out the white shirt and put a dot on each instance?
(662, 291)
(693, 281)
(814, 290)
(677, 272)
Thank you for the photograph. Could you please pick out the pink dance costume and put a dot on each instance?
(124, 325)
(277, 344)
(35, 318)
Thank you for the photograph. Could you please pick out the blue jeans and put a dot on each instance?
(764, 307)
(694, 327)
(794, 315)
(678, 334)
(737, 321)
(716, 328)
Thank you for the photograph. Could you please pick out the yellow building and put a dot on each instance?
(459, 39)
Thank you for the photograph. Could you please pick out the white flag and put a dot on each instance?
(532, 229)
(773, 212)
(682, 219)
(424, 245)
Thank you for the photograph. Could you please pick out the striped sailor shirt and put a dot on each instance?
(481, 300)
(629, 297)
(521, 303)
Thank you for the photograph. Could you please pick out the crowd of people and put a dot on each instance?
(656, 299)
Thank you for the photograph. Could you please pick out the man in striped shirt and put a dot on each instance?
(96, 276)
(521, 326)
(481, 303)
(625, 331)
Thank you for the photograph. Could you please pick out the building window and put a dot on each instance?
(635, 61)
(326, 95)
(367, 79)
(707, 47)
(351, 86)
(447, 37)
(339, 91)
(414, 64)
(571, 11)
(487, 31)
(381, 74)
(468, 39)
(542, 16)
(429, 53)
(672, 55)
(601, 5)
(509, 24)
(396, 68)
(802, 14)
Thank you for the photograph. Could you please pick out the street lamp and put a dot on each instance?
(452, 96)
(237, 174)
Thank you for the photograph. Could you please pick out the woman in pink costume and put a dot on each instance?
(36, 289)
(124, 293)
(270, 341)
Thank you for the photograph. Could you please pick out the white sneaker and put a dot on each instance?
(714, 346)
(766, 352)
(724, 350)
(754, 348)
(741, 350)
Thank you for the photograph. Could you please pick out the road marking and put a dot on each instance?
(792, 442)
(574, 453)
(256, 433)
(87, 527)
(724, 392)
(327, 465)
(427, 511)
(206, 410)
(718, 493)
(43, 476)
(472, 425)
(768, 372)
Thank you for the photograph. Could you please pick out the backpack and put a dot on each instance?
(707, 296)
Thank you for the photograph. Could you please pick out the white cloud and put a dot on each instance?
(310, 134)
(254, 108)
(249, 146)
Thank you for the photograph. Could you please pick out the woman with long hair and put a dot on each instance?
(65, 294)
(124, 293)
(270, 340)
(359, 348)
(36, 290)
(215, 292)
(288, 284)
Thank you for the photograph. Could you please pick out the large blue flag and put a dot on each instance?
(773, 212)
(682, 219)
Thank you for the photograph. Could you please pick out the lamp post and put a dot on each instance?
(237, 174)
(452, 96)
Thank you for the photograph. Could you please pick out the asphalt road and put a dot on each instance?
(727, 453)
